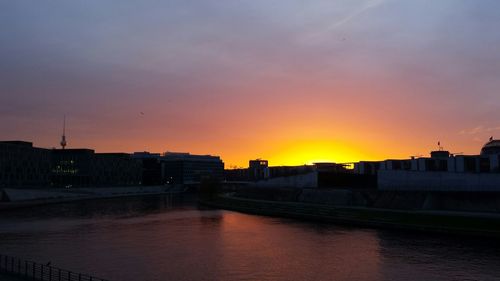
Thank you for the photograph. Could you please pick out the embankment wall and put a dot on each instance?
(400, 180)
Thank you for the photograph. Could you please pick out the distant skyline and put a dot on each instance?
(290, 81)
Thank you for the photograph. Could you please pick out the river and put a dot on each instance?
(152, 238)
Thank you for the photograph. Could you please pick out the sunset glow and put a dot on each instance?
(291, 82)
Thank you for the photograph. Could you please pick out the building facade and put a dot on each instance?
(258, 169)
(151, 167)
(185, 168)
(441, 171)
(116, 169)
(84, 167)
(72, 167)
(22, 165)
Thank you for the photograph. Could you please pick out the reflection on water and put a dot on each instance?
(151, 239)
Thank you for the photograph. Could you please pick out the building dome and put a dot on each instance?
(491, 148)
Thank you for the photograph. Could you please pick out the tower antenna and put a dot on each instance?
(63, 139)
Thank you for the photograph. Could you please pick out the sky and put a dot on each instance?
(290, 81)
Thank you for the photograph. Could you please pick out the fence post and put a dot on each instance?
(52, 272)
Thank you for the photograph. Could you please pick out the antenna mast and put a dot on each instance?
(63, 139)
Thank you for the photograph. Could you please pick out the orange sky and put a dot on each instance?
(290, 82)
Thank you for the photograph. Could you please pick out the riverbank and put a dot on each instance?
(452, 222)
(30, 198)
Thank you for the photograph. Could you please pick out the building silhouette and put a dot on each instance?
(22, 165)
(151, 167)
(258, 169)
(442, 171)
(185, 168)
(491, 148)
(84, 167)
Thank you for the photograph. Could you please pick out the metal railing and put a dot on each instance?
(40, 272)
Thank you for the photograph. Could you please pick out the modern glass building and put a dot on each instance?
(185, 168)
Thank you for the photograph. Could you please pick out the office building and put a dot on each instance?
(22, 165)
(185, 168)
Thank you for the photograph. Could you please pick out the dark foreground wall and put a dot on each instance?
(399, 200)
(434, 221)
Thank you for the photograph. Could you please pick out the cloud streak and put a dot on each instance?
(479, 130)
(364, 8)
(318, 36)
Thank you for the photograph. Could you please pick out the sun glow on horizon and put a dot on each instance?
(315, 151)
(293, 83)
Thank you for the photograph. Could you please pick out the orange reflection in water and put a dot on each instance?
(251, 243)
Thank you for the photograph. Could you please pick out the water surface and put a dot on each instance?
(152, 239)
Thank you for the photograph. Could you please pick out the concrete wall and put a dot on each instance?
(494, 163)
(15, 195)
(309, 180)
(437, 181)
(106, 191)
(330, 197)
(414, 164)
(421, 164)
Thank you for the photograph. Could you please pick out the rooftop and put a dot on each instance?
(491, 147)
(18, 142)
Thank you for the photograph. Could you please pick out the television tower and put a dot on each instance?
(63, 139)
